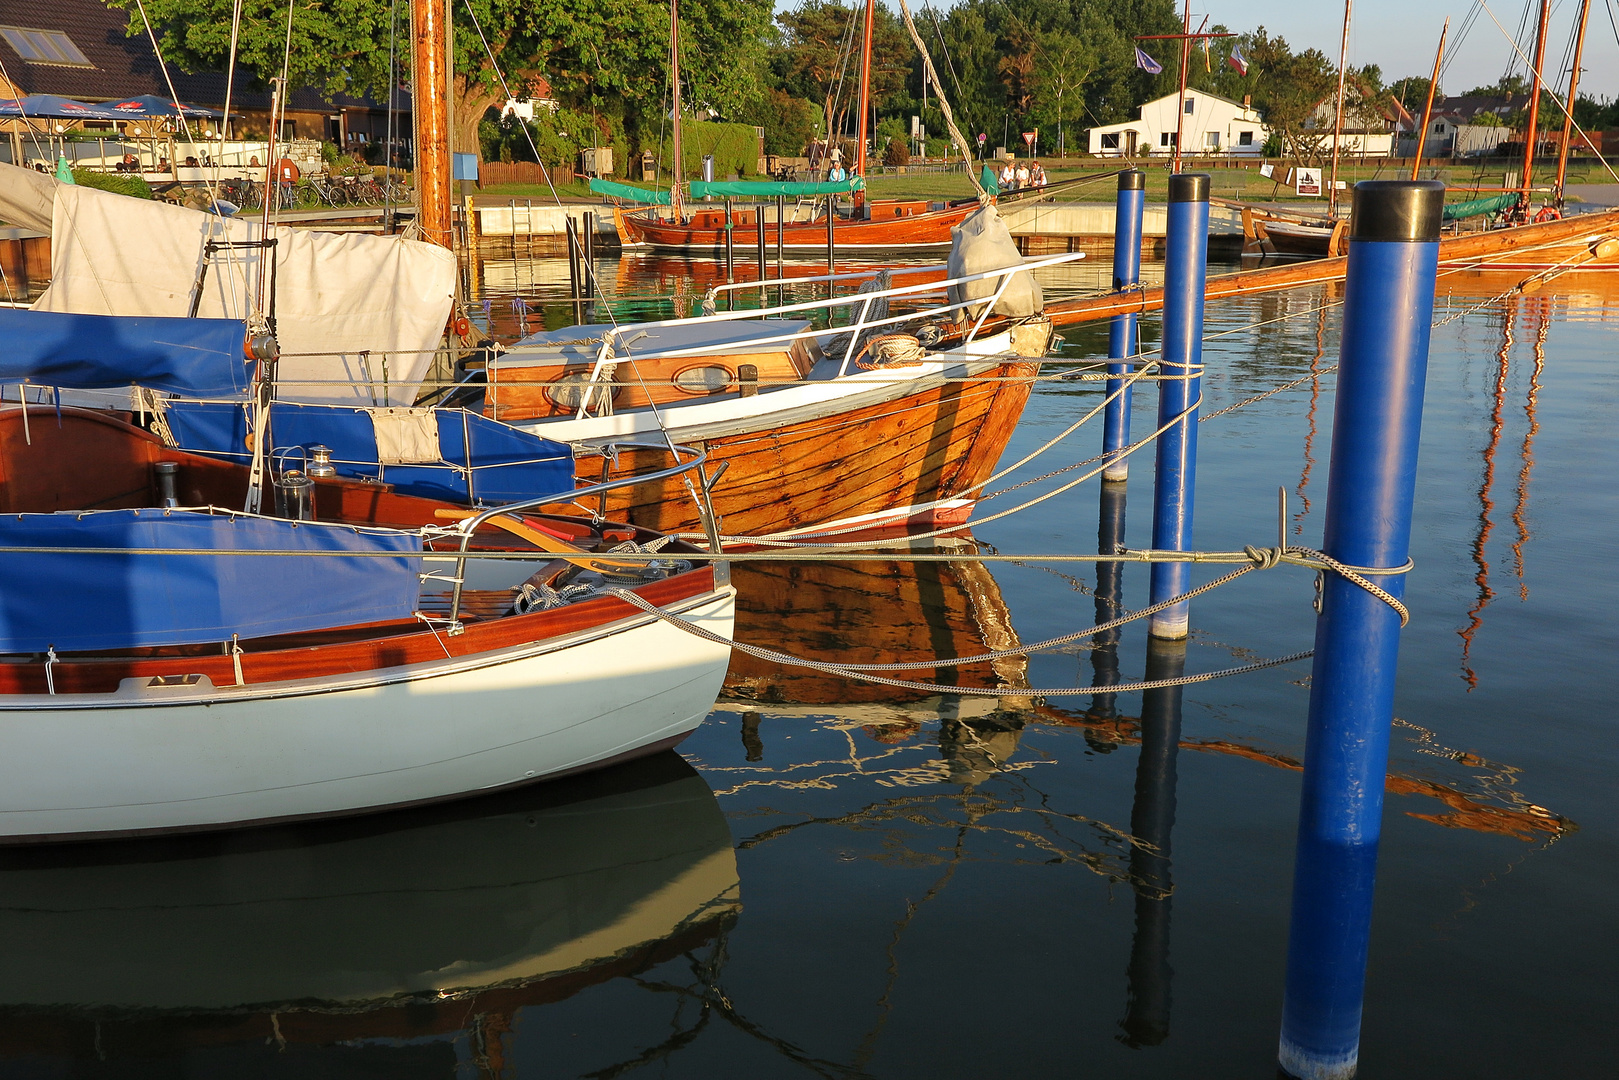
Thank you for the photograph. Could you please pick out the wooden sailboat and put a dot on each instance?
(160, 675)
(880, 227)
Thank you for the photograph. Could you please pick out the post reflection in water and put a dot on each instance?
(338, 940)
(1475, 614)
(1520, 512)
(1152, 819)
(1309, 436)
(1109, 605)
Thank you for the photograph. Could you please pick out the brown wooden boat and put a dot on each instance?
(891, 226)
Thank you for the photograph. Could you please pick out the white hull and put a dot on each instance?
(86, 764)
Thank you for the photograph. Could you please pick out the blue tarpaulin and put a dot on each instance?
(202, 357)
(507, 464)
(77, 602)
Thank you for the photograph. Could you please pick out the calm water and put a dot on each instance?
(840, 881)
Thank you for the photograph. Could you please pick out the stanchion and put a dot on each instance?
(1175, 467)
(781, 248)
(730, 247)
(764, 259)
(1127, 213)
(1371, 486)
(1152, 820)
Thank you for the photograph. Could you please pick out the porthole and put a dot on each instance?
(569, 391)
(704, 379)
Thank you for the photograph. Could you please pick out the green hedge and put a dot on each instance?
(735, 148)
(121, 183)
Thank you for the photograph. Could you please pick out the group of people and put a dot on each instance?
(1022, 174)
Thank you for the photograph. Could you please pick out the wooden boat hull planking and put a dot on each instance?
(916, 232)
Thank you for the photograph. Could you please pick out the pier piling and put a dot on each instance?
(1127, 216)
(730, 245)
(1180, 385)
(1371, 486)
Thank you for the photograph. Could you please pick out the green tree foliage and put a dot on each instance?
(1287, 87)
(1412, 93)
(818, 58)
(608, 57)
(789, 122)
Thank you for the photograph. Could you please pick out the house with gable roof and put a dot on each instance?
(1209, 123)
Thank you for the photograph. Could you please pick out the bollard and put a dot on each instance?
(1175, 467)
(1371, 485)
(1121, 340)
(1152, 820)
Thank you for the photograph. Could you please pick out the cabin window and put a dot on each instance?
(1110, 140)
(1188, 106)
(44, 46)
(1245, 138)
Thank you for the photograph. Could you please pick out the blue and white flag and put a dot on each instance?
(1147, 63)
(1238, 64)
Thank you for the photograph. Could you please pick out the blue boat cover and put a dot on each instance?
(201, 357)
(77, 602)
(506, 463)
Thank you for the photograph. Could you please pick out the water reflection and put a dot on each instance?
(1520, 512)
(1475, 614)
(432, 925)
(1310, 434)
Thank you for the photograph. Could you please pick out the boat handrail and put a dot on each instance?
(1004, 274)
(468, 526)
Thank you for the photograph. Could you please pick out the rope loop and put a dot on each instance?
(1264, 558)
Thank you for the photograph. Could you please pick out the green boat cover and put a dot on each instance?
(744, 189)
(625, 191)
(989, 180)
(1474, 207)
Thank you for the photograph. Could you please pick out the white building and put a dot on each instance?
(1211, 125)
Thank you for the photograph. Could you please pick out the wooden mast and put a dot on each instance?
(1427, 109)
(865, 99)
(429, 26)
(1338, 115)
(1532, 131)
(674, 74)
(1180, 114)
(1573, 89)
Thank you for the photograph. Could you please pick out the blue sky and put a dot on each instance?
(1400, 35)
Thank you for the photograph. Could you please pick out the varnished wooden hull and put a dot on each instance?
(920, 232)
(1572, 245)
(893, 461)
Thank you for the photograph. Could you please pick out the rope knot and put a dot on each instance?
(1264, 558)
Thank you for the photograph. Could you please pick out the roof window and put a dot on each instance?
(44, 46)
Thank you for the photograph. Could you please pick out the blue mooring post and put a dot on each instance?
(1383, 365)
(1121, 338)
(1186, 252)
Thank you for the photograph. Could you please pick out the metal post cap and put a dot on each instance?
(1399, 210)
(1189, 187)
(1132, 180)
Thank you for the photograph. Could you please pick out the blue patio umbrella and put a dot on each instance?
(51, 107)
(151, 106)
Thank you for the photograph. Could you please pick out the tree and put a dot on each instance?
(1063, 65)
(1288, 87)
(609, 57)
(1412, 93)
(819, 57)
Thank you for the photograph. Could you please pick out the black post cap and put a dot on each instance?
(1189, 187)
(1132, 180)
(1399, 210)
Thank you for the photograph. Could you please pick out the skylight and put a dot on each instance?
(44, 46)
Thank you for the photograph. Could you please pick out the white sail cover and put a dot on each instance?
(357, 316)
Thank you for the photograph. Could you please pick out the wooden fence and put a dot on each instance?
(522, 172)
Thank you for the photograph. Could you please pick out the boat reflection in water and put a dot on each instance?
(431, 925)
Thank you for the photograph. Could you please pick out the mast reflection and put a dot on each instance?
(1309, 435)
(1475, 614)
(1520, 512)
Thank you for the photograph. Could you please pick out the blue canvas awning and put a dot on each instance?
(76, 602)
(199, 357)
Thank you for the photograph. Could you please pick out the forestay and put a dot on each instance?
(74, 602)
(347, 305)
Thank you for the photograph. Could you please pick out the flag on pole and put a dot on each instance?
(1238, 64)
(1147, 63)
(1207, 62)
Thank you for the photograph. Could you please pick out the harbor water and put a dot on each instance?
(840, 879)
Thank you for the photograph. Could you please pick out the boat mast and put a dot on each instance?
(1532, 131)
(674, 76)
(1427, 109)
(1568, 112)
(430, 109)
(1186, 54)
(865, 99)
(1338, 116)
